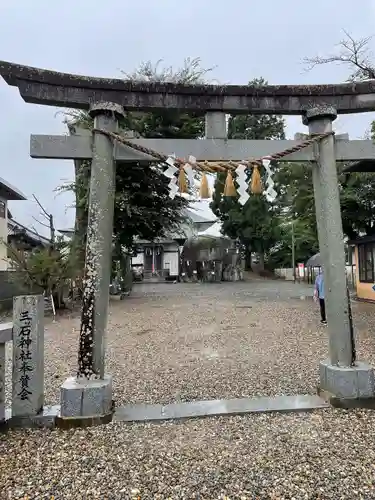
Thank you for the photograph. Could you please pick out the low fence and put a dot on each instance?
(285, 273)
(155, 276)
(10, 288)
(27, 335)
(309, 275)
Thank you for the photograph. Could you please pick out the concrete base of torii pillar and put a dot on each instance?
(346, 386)
(86, 401)
(342, 378)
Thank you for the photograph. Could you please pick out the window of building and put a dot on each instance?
(366, 262)
(3, 208)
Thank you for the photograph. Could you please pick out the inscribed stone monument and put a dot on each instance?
(28, 355)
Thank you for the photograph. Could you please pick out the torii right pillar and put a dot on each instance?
(343, 380)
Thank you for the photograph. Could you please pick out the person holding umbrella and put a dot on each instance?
(319, 295)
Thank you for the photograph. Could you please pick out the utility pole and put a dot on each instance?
(293, 253)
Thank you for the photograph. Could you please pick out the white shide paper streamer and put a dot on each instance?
(171, 174)
(270, 193)
(242, 184)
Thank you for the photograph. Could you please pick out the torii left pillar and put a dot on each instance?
(88, 396)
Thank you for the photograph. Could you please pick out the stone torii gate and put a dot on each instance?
(90, 393)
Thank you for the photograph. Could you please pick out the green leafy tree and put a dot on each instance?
(357, 190)
(255, 225)
(305, 243)
(295, 202)
(293, 183)
(357, 198)
(142, 206)
(50, 268)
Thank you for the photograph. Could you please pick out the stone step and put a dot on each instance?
(149, 412)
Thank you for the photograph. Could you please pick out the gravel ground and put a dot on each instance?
(182, 342)
(169, 343)
(325, 455)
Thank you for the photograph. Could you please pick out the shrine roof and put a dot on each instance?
(9, 192)
(369, 238)
(361, 166)
(15, 228)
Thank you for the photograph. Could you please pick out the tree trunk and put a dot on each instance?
(261, 261)
(58, 299)
(248, 258)
(82, 179)
(126, 272)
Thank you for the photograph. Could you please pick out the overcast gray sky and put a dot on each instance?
(244, 39)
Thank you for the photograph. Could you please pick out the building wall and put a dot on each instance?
(170, 256)
(310, 273)
(3, 235)
(139, 259)
(285, 273)
(202, 226)
(170, 259)
(364, 290)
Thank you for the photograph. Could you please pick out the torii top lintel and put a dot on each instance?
(52, 88)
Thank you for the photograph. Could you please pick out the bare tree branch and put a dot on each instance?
(41, 223)
(351, 52)
(49, 217)
(44, 211)
(33, 228)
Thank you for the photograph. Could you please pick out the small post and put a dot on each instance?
(341, 375)
(6, 335)
(2, 382)
(28, 355)
(216, 125)
(293, 254)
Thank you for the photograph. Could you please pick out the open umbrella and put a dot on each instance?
(314, 261)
